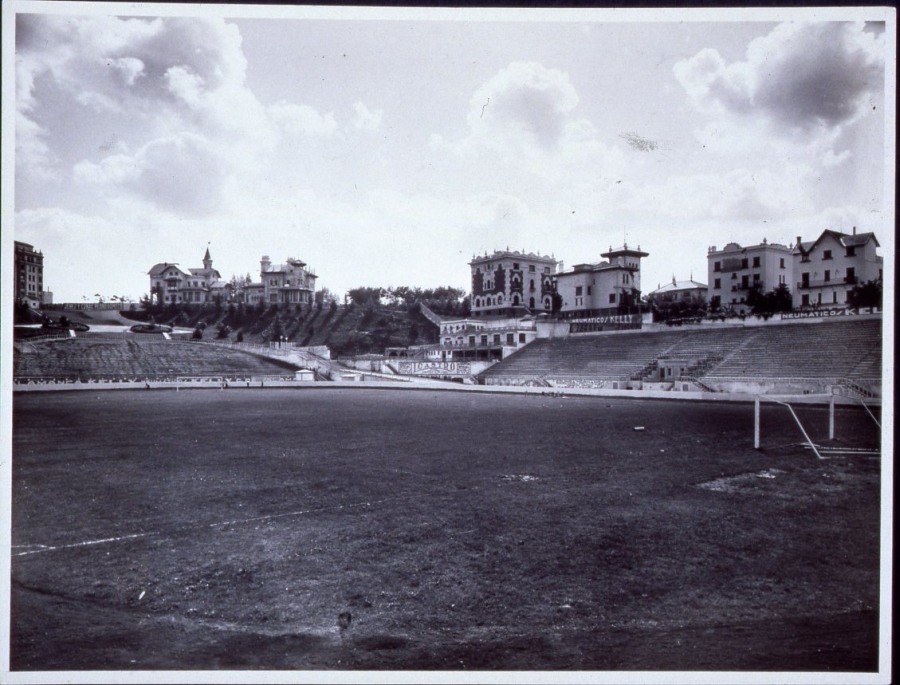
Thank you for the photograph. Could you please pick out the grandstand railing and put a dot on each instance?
(164, 378)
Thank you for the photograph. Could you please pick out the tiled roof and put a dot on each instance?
(157, 269)
(676, 286)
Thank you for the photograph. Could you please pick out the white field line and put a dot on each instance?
(51, 548)
(255, 519)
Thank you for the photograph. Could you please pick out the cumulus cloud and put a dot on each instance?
(168, 86)
(365, 118)
(527, 99)
(184, 173)
(741, 194)
(799, 76)
(301, 119)
(524, 134)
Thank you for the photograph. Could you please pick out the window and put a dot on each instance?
(484, 340)
(521, 338)
(717, 283)
(851, 251)
(745, 281)
(834, 297)
(781, 262)
(744, 263)
(577, 291)
(756, 261)
(496, 338)
(531, 268)
(516, 266)
(826, 254)
(851, 275)
(756, 278)
(827, 275)
(717, 266)
(612, 298)
(510, 338)
(589, 290)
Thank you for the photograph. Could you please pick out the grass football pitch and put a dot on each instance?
(373, 529)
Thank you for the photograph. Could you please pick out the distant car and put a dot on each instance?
(150, 328)
(64, 324)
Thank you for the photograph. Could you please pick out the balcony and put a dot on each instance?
(809, 285)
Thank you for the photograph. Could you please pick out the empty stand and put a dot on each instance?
(823, 353)
(829, 350)
(135, 357)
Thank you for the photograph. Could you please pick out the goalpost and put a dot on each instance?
(818, 450)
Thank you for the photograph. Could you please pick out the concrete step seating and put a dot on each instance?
(826, 350)
(814, 351)
(86, 358)
(607, 357)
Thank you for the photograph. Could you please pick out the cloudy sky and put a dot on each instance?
(388, 149)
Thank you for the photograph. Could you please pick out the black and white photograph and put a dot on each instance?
(446, 344)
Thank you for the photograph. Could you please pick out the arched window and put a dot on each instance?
(531, 303)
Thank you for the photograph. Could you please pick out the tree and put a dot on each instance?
(364, 295)
(198, 334)
(668, 309)
(868, 294)
(777, 300)
(555, 303)
(325, 296)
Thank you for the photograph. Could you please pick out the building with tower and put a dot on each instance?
(169, 284)
(610, 286)
(289, 283)
(514, 283)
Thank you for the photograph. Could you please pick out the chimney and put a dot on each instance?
(799, 246)
(854, 230)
